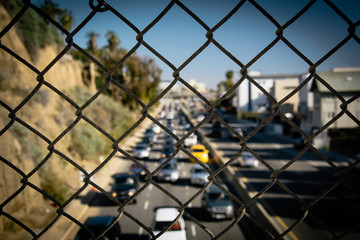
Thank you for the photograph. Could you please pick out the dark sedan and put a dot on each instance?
(124, 186)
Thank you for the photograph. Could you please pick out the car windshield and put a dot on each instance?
(95, 230)
(199, 170)
(124, 181)
(197, 150)
(140, 147)
(170, 166)
(159, 226)
(216, 196)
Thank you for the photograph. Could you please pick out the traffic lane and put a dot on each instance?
(152, 198)
(184, 191)
(304, 178)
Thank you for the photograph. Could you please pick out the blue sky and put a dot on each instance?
(177, 35)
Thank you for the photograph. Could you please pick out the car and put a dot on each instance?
(170, 172)
(139, 171)
(164, 216)
(169, 140)
(124, 186)
(240, 131)
(216, 204)
(156, 128)
(353, 159)
(200, 152)
(200, 118)
(198, 175)
(97, 225)
(151, 136)
(149, 132)
(216, 130)
(168, 150)
(142, 151)
(246, 159)
(191, 140)
(299, 142)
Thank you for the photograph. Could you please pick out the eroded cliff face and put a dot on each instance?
(46, 112)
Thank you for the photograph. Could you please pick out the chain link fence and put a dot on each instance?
(102, 6)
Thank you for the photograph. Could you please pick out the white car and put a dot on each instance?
(198, 175)
(191, 140)
(248, 160)
(156, 128)
(200, 118)
(170, 172)
(142, 151)
(163, 219)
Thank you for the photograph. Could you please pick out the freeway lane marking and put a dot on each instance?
(146, 205)
(253, 192)
(193, 230)
(286, 227)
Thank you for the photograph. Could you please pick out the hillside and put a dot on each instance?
(49, 114)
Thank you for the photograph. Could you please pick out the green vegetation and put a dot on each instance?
(56, 187)
(27, 141)
(86, 142)
(225, 86)
(113, 110)
(141, 76)
(33, 30)
(110, 115)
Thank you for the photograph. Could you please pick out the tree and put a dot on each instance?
(113, 40)
(51, 9)
(229, 83)
(225, 86)
(92, 42)
(141, 76)
(66, 19)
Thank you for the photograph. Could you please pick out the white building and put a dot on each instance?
(250, 98)
(199, 86)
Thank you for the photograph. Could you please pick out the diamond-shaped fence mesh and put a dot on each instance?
(252, 203)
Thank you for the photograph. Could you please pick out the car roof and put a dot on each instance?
(198, 166)
(198, 146)
(215, 189)
(166, 214)
(141, 144)
(127, 174)
(99, 220)
(171, 161)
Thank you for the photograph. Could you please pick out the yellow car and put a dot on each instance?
(200, 152)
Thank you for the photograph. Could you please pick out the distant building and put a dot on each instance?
(283, 87)
(165, 83)
(250, 98)
(326, 105)
(199, 86)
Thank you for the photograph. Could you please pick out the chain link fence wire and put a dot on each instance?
(103, 6)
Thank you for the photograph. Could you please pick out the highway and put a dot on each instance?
(300, 185)
(151, 198)
(304, 181)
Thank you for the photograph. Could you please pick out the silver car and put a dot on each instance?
(198, 175)
(170, 172)
(248, 160)
(142, 151)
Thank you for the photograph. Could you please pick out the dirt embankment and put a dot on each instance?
(46, 112)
